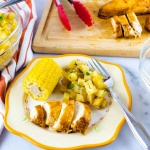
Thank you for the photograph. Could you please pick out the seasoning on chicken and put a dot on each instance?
(82, 117)
(127, 29)
(117, 27)
(42, 79)
(37, 116)
(121, 7)
(147, 24)
(64, 120)
(52, 109)
(134, 22)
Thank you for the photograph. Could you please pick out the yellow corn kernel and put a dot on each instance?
(14, 25)
(11, 16)
(42, 79)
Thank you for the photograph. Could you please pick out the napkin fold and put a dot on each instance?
(23, 54)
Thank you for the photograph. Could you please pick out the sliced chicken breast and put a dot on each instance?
(52, 109)
(37, 116)
(64, 120)
(81, 118)
(116, 24)
(128, 30)
(133, 20)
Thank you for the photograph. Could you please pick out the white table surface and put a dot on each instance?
(140, 106)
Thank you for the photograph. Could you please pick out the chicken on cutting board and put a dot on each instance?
(121, 7)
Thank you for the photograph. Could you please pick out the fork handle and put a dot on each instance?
(9, 2)
(138, 130)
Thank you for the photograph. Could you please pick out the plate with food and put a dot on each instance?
(61, 97)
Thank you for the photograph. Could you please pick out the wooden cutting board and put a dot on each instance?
(52, 37)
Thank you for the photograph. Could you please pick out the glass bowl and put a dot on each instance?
(144, 65)
(9, 45)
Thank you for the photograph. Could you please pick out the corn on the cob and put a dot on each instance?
(42, 79)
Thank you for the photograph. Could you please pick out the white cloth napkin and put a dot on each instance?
(24, 53)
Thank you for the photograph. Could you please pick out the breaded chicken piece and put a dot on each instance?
(52, 109)
(37, 116)
(81, 118)
(117, 27)
(127, 29)
(135, 24)
(64, 120)
(120, 7)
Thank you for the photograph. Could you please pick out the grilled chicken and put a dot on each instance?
(52, 109)
(118, 32)
(147, 24)
(127, 29)
(64, 120)
(62, 116)
(37, 116)
(126, 25)
(121, 7)
(81, 118)
(133, 21)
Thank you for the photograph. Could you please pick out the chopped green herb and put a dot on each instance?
(79, 86)
(74, 71)
(66, 70)
(87, 73)
(71, 86)
(1, 18)
(75, 63)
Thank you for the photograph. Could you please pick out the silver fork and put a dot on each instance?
(138, 130)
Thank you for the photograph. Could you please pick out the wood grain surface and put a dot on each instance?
(52, 37)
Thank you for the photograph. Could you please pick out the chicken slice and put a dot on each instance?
(64, 120)
(133, 20)
(128, 30)
(37, 116)
(118, 32)
(82, 117)
(52, 109)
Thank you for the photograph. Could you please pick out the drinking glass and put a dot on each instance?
(144, 65)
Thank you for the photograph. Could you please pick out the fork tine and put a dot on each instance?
(98, 65)
(97, 68)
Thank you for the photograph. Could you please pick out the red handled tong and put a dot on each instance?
(80, 9)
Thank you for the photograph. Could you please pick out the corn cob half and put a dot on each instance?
(42, 79)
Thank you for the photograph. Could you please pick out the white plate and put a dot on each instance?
(103, 133)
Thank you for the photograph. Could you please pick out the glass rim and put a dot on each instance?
(19, 23)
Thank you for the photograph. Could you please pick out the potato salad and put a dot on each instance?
(81, 83)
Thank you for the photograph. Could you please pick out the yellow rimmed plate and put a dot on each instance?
(103, 133)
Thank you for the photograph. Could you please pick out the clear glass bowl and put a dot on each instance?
(7, 54)
(144, 65)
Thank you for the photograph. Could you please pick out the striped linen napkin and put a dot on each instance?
(24, 53)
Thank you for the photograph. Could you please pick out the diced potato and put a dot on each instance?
(72, 95)
(90, 88)
(74, 63)
(66, 96)
(81, 81)
(99, 83)
(83, 92)
(81, 98)
(101, 93)
(72, 77)
(90, 98)
(97, 102)
(96, 74)
(84, 68)
(65, 72)
(104, 103)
